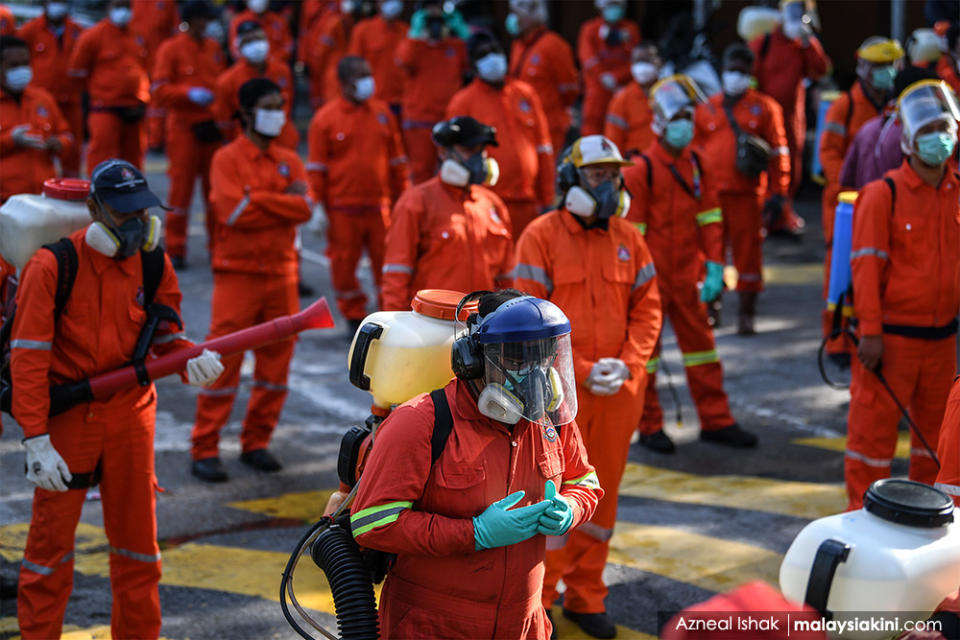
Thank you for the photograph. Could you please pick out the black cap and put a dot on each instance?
(121, 185)
(463, 130)
(197, 9)
(247, 26)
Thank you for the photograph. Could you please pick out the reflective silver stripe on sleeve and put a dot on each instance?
(77, 73)
(37, 568)
(36, 345)
(923, 453)
(949, 489)
(398, 160)
(316, 166)
(835, 127)
(238, 210)
(645, 275)
(509, 275)
(596, 531)
(225, 391)
(616, 121)
(170, 337)
(545, 148)
(537, 274)
(269, 386)
(873, 462)
(397, 268)
(781, 151)
(133, 555)
(376, 516)
(869, 251)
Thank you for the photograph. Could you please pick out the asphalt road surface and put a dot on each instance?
(691, 524)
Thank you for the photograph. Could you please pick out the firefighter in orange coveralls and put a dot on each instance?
(948, 478)
(376, 40)
(183, 83)
(513, 108)
(904, 259)
(544, 60)
(111, 439)
(675, 206)
(155, 21)
(32, 130)
(629, 115)
(255, 62)
(274, 24)
(259, 194)
(470, 530)
(433, 60)
(596, 266)
(741, 194)
(450, 232)
(52, 38)
(110, 60)
(878, 61)
(604, 48)
(357, 170)
(321, 49)
(785, 58)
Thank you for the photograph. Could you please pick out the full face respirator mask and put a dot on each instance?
(124, 240)
(477, 169)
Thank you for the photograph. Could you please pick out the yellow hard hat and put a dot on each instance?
(595, 149)
(880, 50)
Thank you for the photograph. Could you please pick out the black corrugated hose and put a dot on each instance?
(338, 556)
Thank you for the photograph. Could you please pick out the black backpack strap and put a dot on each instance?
(153, 265)
(646, 161)
(442, 424)
(764, 46)
(893, 192)
(67, 265)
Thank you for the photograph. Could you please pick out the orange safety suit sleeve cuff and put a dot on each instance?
(580, 485)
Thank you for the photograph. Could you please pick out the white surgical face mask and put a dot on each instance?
(734, 82)
(269, 122)
(214, 30)
(18, 78)
(391, 9)
(120, 16)
(56, 10)
(492, 67)
(255, 51)
(644, 72)
(363, 88)
(257, 6)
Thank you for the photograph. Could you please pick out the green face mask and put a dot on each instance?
(935, 148)
(882, 77)
(513, 25)
(679, 133)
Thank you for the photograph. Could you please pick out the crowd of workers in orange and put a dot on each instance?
(454, 163)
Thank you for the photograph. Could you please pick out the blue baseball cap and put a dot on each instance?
(121, 185)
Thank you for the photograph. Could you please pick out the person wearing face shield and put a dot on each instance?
(357, 169)
(110, 62)
(275, 25)
(259, 194)
(721, 124)
(34, 130)
(904, 258)
(471, 529)
(432, 60)
(878, 61)
(184, 81)
(452, 231)
(376, 41)
(785, 59)
(506, 104)
(321, 49)
(109, 441)
(255, 62)
(605, 46)
(675, 205)
(155, 22)
(629, 115)
(52, 37)
(543, 59)
(587, 259)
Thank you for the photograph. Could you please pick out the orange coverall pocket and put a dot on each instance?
(551, 464)
(461, 478)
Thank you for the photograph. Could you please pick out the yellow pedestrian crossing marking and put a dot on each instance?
(570, 631)
(840, 444)
(307, 506)
(783, 274)
(800, 499)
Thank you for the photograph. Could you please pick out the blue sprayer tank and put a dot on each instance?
(842, 239)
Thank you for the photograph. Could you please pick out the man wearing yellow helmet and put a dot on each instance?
(878, 61)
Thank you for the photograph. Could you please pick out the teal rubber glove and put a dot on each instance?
(713, 283)
(556, 518)
(418, 25)
(456, 24)
(499, 526)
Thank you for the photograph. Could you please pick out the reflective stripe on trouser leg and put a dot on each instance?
(743, 232)
(345, 238)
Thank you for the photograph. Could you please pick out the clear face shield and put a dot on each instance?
(923, 103)
(671, 97)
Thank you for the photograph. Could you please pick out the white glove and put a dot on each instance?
(204, 369)
(200, 95)
(609, 81)
(318, 220)
(607, 376)
(45, 467)
(24, 139)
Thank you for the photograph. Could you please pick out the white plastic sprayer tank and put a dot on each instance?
(29, 221)
(899, 553)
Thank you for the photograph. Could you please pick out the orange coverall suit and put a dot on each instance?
(96, 334)
(682, 229)
(525, 154)
(321, 50)
(446, 237)
(112, 63)
(629, 117)
(947, 70)
(596, 58)
(604, 280)
(254, 280)
(183, 63)
(844, 118)
(544, 60)
(50, 52)
(23, 169)
(433, 72)
(742, 197)
(440, 586)
(8, 23)
(155, 20)
(274, 24)
(904, 261)
(357, 170)
(375, 40)
(948, 479)
(226, 104)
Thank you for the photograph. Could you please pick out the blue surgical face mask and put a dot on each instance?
(612, 13)
(882, 77)
(492, 67)
(18, 78)
(120, 16)
(934, 148)
(679, 133)
(513, 25)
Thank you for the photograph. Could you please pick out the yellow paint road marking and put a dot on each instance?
(570, 631)
(307, 506)
(782, 274)
(801, 499)
(840, 444)
(70, 631)
(709, 563)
